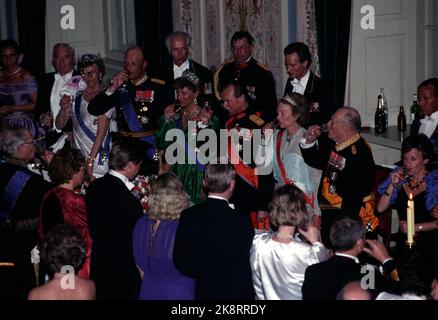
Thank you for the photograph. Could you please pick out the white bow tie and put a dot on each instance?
(296, 82)
(427, 119)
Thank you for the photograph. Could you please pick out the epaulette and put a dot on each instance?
(256, 119)
(263, 66)
(159, 81)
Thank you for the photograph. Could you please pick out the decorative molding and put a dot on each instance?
(213, 42)
(221, 19)
(187, 15)
(306, 26)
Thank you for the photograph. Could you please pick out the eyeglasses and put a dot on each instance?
(34, 142)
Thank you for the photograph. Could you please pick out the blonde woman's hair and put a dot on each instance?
(288, 207)
(168, 198)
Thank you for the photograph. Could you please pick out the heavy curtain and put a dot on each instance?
(153, 21)
(333, 32)
(31, 19)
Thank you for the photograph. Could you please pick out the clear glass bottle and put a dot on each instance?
(385, 106)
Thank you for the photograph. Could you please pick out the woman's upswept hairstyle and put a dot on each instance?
(288, 207)
(168, 198)
(63, 246)
(65, 163)
(298, 106)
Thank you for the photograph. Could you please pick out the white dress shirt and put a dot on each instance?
(300, 85)
(178, 71)
(222, 198)
(124, 179)
(55, 96)
(428, 124)
(347, 256)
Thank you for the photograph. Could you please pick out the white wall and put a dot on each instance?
(105, 27)
(397, 55)
(384, 57)
(87, 37)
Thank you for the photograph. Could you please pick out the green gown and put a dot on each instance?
(189, 174)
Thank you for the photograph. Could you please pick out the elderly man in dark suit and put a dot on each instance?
(178, 44)
(213, 242)
(112, 214)
(21, 194)
(297, 60)
(324, 280)
(50, 89)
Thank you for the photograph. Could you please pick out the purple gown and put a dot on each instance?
(161, 280)
(18, 93)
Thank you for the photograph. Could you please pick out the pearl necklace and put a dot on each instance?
(13, 73)
(280, 236)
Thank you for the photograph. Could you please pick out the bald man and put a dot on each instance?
(139, 101)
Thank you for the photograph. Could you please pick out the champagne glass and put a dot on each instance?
(403, 178)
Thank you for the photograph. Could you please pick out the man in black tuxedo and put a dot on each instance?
(428, 124)
(297, 60)
(49, 90)
(213, 241)
(324, 280)
(112, 214)
(178, 44)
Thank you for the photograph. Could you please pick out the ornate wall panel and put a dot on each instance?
(186, 17)
(212, 39)
(220, 19)
(306, 26)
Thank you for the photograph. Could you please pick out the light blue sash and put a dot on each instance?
(105, 148)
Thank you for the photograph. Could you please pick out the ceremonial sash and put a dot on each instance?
(12, 192)
(132, 121)
(243, 170)
(105, 148)
(335, 202)
(189, 151)
(310, 200)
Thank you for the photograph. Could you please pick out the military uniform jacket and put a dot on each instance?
(258, 80)
(245, 197)
(314, 93)
(149, 100)
(355, 181)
